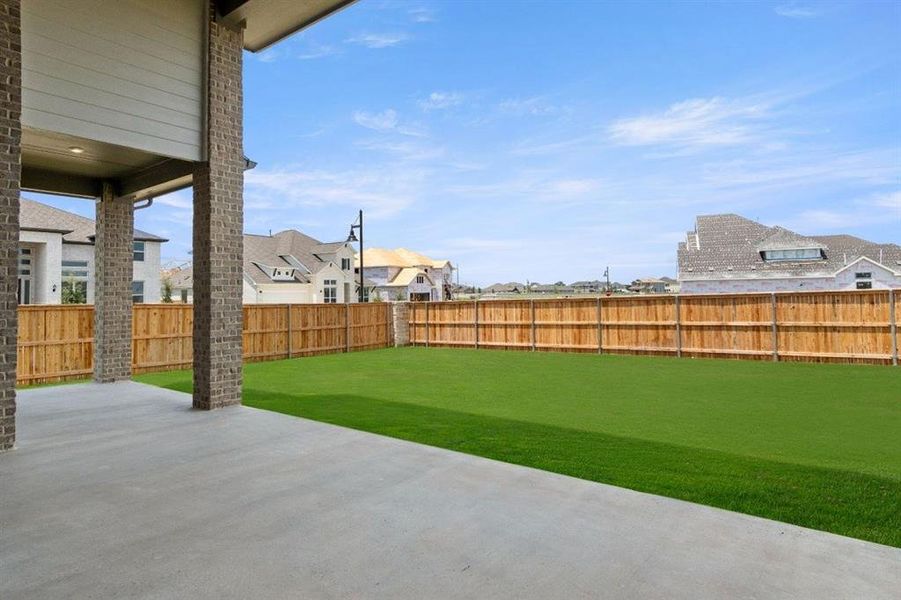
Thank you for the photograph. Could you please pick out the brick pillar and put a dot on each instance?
(400, 323)
(218, 229)
(10, 178)
(113, 259)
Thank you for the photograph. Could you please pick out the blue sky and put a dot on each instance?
(544, 140)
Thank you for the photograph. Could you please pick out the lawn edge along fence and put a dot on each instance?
(56, 342)
(841, 326)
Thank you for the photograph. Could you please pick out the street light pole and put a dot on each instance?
(358, 224)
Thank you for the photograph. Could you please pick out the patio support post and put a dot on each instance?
(113, 260)
(10, 179)
(218, 226)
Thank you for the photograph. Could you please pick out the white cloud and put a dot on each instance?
(441, 100)
(890, 200)
(388, 121)
(315, 50)
(421, 15)
(384, 192)
(378, 40)
(384, 121)
(797, 11)
(533, 106)
(697, 122)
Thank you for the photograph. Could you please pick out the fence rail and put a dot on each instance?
(852, 327)
(56, 342)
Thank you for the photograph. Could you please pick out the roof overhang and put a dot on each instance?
(265, 22)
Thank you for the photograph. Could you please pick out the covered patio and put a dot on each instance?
(122, 490)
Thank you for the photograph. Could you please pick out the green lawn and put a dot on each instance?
(814, 445)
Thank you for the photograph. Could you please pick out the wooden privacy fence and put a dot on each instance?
(855, 327)
(56, 342)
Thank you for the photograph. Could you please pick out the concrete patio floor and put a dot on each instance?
(124, 491)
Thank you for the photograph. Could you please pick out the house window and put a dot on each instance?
(345, 264)
(330, 292)
(420, 279)
(798, 254)
(74, 278)
(137, 291)
(139, 252)
(865, 275)
(864, 285)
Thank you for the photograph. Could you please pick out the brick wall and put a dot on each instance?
(10, 176)
(400, 323)
(218, 229)
(113, 255)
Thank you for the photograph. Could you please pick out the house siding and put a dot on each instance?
(881, 278)
(127, 73)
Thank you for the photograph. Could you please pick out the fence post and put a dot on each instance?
(475, 306)
(894, 326)
(600, 339)
(775, 336)
(289, 329)
(532, 313)
(347, 327)
(678, 328)
(426, 324)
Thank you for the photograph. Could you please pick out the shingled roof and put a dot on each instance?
(730, 246)
(37, 216)
(290, 249)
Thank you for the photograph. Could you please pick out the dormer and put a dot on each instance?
(785, 245)
(281, 273)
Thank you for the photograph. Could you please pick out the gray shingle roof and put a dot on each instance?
(282, 249)
(37, 216)
(724, 246)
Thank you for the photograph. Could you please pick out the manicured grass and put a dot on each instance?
(814, 445)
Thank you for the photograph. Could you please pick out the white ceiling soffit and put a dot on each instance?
(269, 21)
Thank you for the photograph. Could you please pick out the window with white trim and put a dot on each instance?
(865, 285)
(330, 291)
(74, 277)
(137, 292)
(420, 279)
(796, 254)
(345, 264)
(863, 275)
(139, 252)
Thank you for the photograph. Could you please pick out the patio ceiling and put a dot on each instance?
(268, 21)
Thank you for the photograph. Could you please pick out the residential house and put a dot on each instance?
(589, 287)
(56, 257)
(287, 267)
(648, 285)
(512, 287)
(402, 274)
(671, 286)
(729, 253)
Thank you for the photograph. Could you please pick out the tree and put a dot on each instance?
(167, 290)
(74, 292)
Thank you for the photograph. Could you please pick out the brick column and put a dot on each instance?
(113, 259)
(400, 323)
(10, 178)
(218, 229)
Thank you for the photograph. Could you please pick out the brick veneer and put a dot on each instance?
(113, 259)
(10, 178)
(218, 229)
(400, 323)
